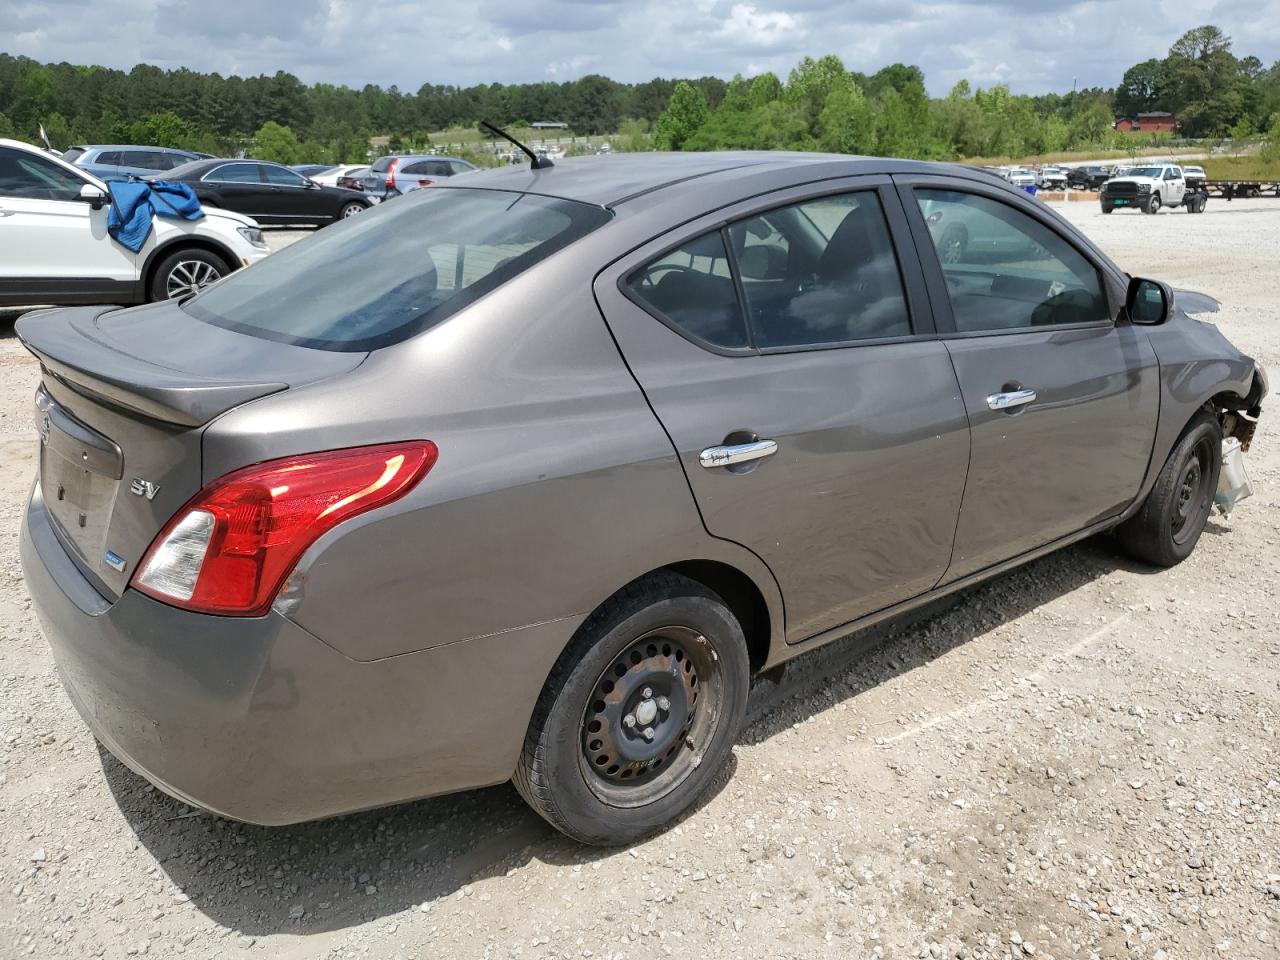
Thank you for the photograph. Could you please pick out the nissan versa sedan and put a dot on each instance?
(525, 476)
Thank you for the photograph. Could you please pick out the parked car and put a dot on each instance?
(1088, 177)
(1051, 178)
(313, 170)
(269, 192)
(119, 162)
(1146, 188)
(53, 231)
(491, 483)
(353, 178)
(393, 176)
(342, 175)
(1022, 177)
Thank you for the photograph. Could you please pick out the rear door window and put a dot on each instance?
(373, 280)
(234, 173)
(691, 289)
(282, 177)
(821, 272)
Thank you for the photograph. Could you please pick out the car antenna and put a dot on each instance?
(536, 162)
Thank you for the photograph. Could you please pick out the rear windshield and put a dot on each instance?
(377, 278)
(74, 154)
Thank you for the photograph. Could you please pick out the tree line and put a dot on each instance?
(820, 106)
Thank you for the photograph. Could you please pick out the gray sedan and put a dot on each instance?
(525, 476)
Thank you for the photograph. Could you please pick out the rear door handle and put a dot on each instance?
(1011, 398)
(727, 456)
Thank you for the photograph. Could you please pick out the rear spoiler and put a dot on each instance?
(70, 347)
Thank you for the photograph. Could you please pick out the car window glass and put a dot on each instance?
(107, 158)
(372, 280)
(822, 271)
(74, 154)
(692, 288)
(29, 177)
(458, 167)
(144, 159)
(1005, 269)
(280, 176)
(420, 167)
(235, 173)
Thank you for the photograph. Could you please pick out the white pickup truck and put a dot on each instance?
(1149, 188)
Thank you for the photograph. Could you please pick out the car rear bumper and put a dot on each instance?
(258, 720)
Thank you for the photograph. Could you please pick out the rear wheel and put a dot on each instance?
(350, 210)
(639, 715)
(186, 272)
(954, 243)
(1165, 530)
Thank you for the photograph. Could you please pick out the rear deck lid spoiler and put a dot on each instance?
(160, 362)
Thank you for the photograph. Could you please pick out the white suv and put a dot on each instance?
(54, 247)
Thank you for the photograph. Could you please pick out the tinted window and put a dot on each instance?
(107, 158)
(372, 280)
(419, 167)
(457, 166)
(235, 173)
(1005, 269)
(281, 176)
(692, 288)
(381, 164)
(29, 177)
(146, 159)
(823, 271)
(74, 154)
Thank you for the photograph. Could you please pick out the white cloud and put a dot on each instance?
(751, 27)
(505, 44)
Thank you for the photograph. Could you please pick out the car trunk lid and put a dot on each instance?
(123, 401)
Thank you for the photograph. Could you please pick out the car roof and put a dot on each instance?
(616, 178)
(128, 146)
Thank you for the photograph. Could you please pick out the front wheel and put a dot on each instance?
(1153, 205)
(1106, 208)
(1165, 530)
(639, 714)
(186, 272)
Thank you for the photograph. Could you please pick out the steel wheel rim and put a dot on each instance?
(1192, 495)
(189, 276)
(621, 766)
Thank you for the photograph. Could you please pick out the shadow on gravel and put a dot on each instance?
(354, 869)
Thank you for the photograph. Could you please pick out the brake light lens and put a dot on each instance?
(228, 551)
(391, 174)
(424, 182)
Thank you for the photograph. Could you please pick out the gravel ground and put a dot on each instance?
(1079, 759)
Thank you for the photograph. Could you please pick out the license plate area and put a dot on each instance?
(80, 472)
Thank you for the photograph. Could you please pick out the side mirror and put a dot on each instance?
(312, 185)
(1148, 301)
(93, 196)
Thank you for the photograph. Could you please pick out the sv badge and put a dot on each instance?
(144, 488)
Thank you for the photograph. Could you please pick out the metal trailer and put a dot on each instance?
(1230, 189)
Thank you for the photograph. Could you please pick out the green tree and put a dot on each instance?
(686, 112)
(847, 123)
(278, 143)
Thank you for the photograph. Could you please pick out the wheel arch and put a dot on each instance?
(184, 242)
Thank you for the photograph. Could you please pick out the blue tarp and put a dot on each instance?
(134, 203)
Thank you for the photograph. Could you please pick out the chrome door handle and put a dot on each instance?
(713, 457)
(1013, 398)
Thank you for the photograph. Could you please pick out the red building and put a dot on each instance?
(1156, 121)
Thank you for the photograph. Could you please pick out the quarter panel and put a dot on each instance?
(555, 484)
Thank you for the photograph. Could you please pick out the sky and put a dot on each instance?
(1035, 46)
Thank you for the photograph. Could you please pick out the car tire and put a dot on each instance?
(953, 244)
(1106, 208)
(185, 271)
(351, 209)
(1166, 528)
(1153, 205)
(639, 715)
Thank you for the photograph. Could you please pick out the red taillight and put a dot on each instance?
(391, 174)
(229, 550)
(424, 182)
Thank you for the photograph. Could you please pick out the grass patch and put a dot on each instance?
(1080, 155)
(1242, 168)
